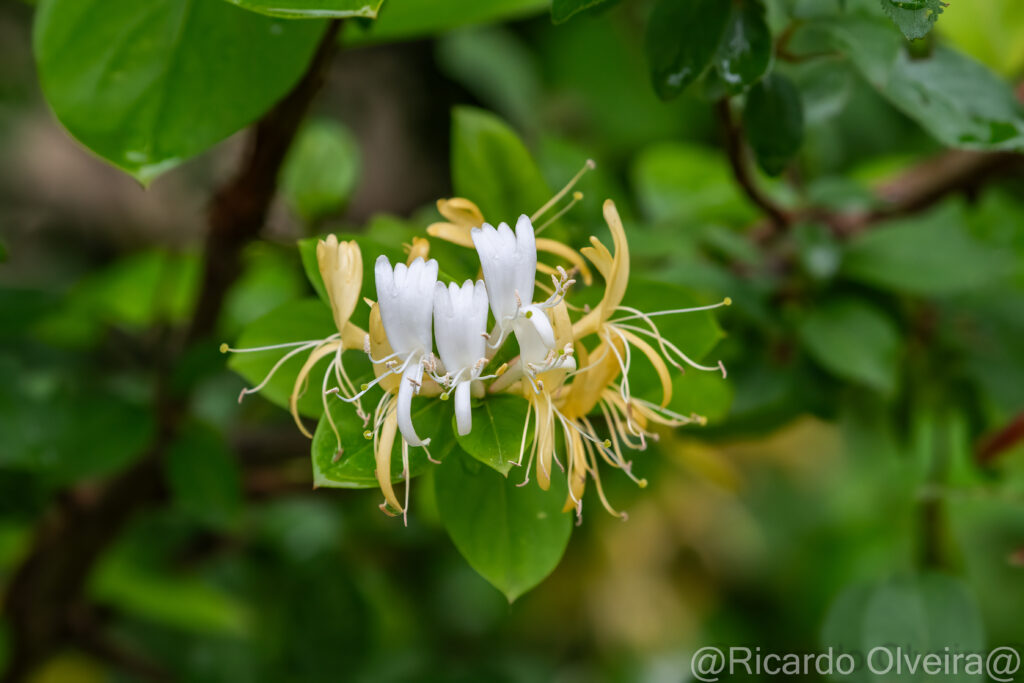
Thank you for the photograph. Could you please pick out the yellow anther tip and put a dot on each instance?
(444, 396)
(577, 195)
(223, 348)
(727, 301)
(642, 483)
(591, 164)
(529, 314)
(367, 435)
(364, 386)
(607, 443)
(501, 371)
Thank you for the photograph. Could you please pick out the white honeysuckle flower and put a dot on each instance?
(460, 326)
(405, 295)
(509, 263)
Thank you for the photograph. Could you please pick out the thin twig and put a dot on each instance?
(1001, 441)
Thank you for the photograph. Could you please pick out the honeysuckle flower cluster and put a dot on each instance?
(572, 367)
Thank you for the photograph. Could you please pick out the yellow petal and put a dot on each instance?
(380, 348)
(545, 438)
(588, 385)
(420, 248)
(315, 357)
(461, 211)
(382, 455)
(341, 267)
(449, 232)
(577, 470)
(614, 269)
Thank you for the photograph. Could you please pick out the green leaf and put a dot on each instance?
(512, 536)
(931, 254)
(682, 38)
(321, 169)
(303, 320)
(774, 122)
(411, 18)
(914, 18)
(957, 100)
(203, 476)
(311, 9)
(356, 466)
(492, 167)
(498, 423)
(562, 10)
(921, 614)
(745, 51)
(146, 85)
(854, 341)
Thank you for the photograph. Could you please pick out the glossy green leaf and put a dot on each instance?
(774, 122)
(563, 10)
(321, 169)
(412, 18)
(149, 85)
(312, 9)
(915, 18)
(296, 321)
(513, 536)
(681, 41)
(498, 424)
(957, 100)
(203, 476)
(355, 467)
(854, 341)
(932, 254)
(492, 167)
(745, 51)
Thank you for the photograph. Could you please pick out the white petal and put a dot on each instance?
(463, 411)
(411, 379)
(526, 258)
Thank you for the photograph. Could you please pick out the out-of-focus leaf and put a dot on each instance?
(148, 85)
(562, 10)
(745, 51)
(905, 617)
(915, 18)
(296, 321)
(412, 18)
(681, 41)
(269, 279)
(203, 476)
(513, 536)
(989, 32)
(185, 603)
(498, 425)
(825, 87)
(492, 167)
(321, 169)
(954, 98)
(686, 184)
(497, 67)
(930, 254)
(854, 341)
(774, 122)
(356, 465)
(312, 9)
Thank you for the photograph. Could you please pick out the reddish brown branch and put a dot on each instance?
(998, 443)
(739, 160)
(46, 588)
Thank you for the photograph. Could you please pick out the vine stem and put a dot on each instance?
(46, 589)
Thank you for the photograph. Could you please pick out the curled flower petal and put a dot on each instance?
(341, 267)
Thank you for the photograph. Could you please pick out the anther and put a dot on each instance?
(224, 348)
(444, 396)
(367, 435)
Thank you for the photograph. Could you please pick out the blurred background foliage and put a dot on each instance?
(861, 463)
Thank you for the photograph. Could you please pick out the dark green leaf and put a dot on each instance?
(306, 9)
(562, 10)
(854, 341)
(203, 476)
(321, 169)
(513, 536)
(148, 85)
(774, 122)
(411, 18)
(492, 167)
(915, 18)
(681, 41)
(355, 467)
(745, 52)
(930, 254)
(304, 320)
(498, 424)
